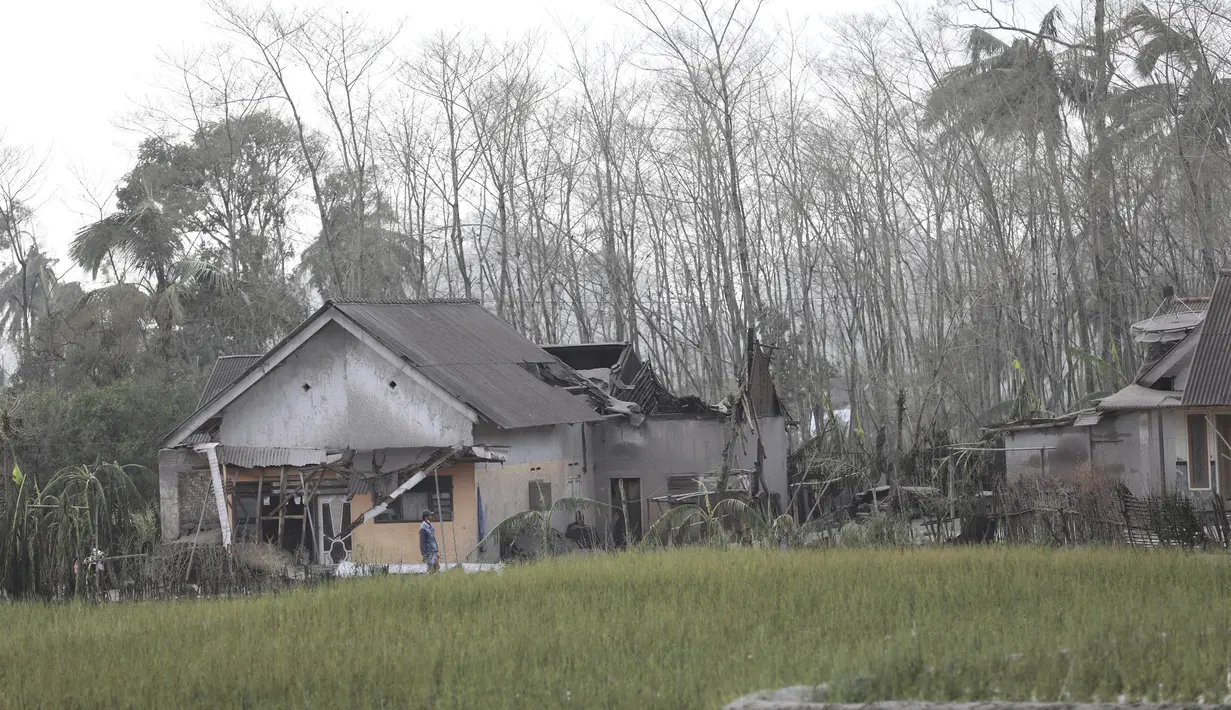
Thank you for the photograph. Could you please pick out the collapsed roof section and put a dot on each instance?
(620, 374)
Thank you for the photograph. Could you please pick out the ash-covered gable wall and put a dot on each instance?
(337, 392)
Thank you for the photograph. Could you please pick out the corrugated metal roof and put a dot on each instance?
(227, 369)
(264, 456)
(1136, 397)
(1087, 418)
(1209, 381)
(474, 356)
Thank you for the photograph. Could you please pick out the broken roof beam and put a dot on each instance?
(441, 457)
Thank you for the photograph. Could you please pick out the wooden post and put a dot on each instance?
(260, 486)
(281, 499)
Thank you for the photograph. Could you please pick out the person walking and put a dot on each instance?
(427, 543)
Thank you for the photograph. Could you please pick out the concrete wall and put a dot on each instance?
(394, 543)
(1058, 451)
(185, 490)
(668, 446)
(349, 402)
(777, 449)
(1127, 445)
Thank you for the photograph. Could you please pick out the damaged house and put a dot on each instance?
(1169, 431)
(332, 443)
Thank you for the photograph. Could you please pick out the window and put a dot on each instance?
(1198, 453)
(540, 495)
(410, 505)
(244, 513)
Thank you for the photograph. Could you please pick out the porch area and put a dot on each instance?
(343, 508)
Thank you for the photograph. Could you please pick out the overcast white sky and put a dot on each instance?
(74, 68)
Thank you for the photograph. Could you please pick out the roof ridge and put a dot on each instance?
(403, 302)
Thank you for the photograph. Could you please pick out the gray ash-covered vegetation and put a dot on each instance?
(935, 226)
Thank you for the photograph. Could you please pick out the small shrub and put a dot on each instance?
(879, 530)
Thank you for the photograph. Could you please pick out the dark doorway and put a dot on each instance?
(626, 500)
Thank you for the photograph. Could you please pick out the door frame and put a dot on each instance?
(321, 500)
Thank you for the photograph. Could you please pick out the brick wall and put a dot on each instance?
(185, 488)
(196, 494)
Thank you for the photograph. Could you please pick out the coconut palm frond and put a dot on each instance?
(669, 524)
(143, 237)
(1049, 26)
(577, 504)
(981, 44)
(1162, 40)
(740, 511)
(526, 522)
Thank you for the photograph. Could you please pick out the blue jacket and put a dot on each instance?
(427, 540)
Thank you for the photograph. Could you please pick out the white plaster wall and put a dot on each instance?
(1124, 447)
(349, 403)
(777, 448)
(552, 454)
(171, 463)
(1175, 448)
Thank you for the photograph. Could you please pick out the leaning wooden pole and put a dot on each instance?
(439, 458)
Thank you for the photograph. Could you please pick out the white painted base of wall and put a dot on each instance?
(351, 569)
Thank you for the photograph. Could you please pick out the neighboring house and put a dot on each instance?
(666, 454)
(333, 442)
(1166, 432)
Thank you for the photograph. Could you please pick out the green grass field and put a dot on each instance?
(685, 629)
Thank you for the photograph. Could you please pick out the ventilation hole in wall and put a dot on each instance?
(306, 387)
(393, 385)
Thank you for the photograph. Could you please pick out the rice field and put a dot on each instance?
(689, 628)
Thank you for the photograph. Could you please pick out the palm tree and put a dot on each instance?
(1017, 89)
(141, 237)
(1186, 107)
(26, 293)
(1023, 90)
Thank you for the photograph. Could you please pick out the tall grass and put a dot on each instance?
(688, 628)
(50, 533)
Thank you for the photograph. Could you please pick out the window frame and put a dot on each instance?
(536, 490)
(445, 514)
(1202, 461)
